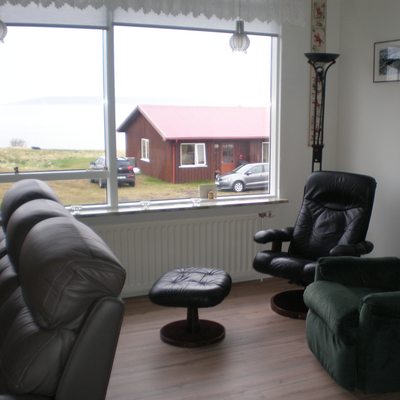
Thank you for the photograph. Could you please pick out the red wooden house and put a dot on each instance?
(183, 143)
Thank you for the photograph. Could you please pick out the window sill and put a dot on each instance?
(175, 205)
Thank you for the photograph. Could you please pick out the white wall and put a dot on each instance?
(369, 113)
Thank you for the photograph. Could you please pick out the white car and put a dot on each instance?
(244, 177)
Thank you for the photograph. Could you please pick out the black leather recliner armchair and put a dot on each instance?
(60, 311)
(333, 221)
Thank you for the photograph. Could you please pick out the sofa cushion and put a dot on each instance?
(31, 359)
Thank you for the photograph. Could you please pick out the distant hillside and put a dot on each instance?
(44, 160)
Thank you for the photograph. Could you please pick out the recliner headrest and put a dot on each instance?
(22, 192)
(61, 281)
(340, 190)
(24, 218)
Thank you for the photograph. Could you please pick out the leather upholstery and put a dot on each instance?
(60, 312)
(22, 192)
(333, 221)
(191, 287)
(24, 218)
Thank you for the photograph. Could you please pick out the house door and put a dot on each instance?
(227, 160)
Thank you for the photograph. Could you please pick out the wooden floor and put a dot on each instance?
(264, 355)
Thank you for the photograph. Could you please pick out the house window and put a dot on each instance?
(145, 149)
(193, 154)
(227, 153)
(265, 152)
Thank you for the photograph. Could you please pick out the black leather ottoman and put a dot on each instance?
(191, 288)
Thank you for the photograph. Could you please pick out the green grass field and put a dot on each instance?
(82, 191)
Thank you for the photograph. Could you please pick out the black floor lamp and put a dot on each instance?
(320, 62)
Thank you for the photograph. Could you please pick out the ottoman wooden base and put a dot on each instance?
(177, 333)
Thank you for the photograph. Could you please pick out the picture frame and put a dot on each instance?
(387, 61)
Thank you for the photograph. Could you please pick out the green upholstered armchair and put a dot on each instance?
(353, 322)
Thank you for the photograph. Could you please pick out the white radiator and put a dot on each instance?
(147, 250)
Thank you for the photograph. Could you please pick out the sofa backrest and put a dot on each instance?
(24, 218)
(22, 192)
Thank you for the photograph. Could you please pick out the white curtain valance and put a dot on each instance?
(279, 11)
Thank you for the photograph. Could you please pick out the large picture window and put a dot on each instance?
(55, 115)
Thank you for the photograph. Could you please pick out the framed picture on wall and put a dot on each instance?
(387, 61)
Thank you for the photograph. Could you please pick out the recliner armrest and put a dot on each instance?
(386, 305)
(271, 235)
(380, 272)
(353, 250)
(335, 304)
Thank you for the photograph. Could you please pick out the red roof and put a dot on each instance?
(188, 122)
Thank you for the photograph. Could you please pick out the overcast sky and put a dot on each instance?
(51, 79)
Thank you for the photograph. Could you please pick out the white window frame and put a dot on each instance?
(145, 149)
(197, 163)
(110, 173)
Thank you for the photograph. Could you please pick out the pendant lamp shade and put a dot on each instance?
(239, 40)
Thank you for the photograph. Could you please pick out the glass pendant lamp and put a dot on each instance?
(239, 40)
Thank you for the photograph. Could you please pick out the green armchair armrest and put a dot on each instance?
(384, 305)
(342, 319)
(379, 273)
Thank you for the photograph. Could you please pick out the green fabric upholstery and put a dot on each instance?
(353, 322)
(337, 357)
(383, 272)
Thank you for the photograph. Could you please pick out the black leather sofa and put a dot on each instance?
(60, 310)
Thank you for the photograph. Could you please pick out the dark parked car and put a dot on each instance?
(126, 171)
(244, 177)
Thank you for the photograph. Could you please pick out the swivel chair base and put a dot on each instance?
(290, 304)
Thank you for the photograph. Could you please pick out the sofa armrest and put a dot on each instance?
(380, 272)
(87, 372)
(353, 250)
